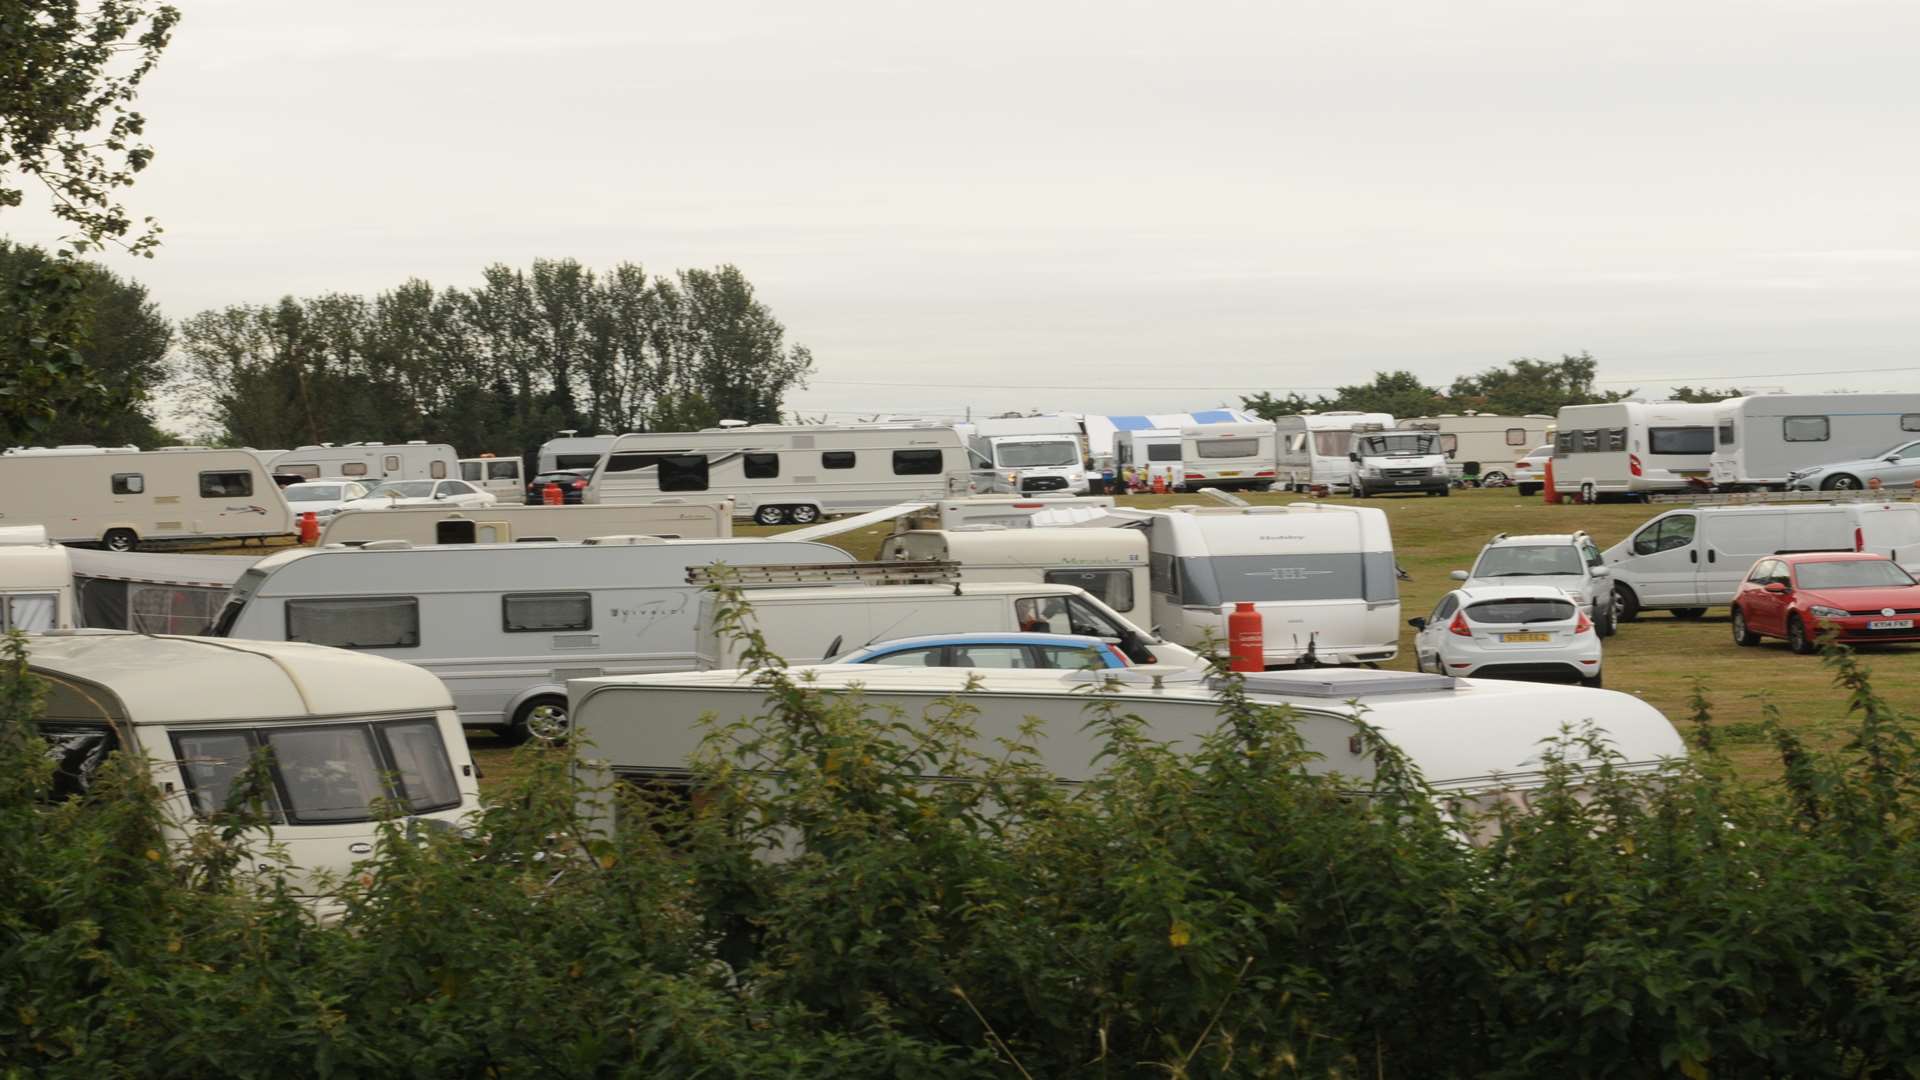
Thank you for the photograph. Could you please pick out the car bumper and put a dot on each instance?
(1856, 631)
(1389, 487)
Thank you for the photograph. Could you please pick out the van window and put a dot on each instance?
(837, 459)
(392, 464)
(683, 472)
(530, 613)
(1227, 448)
(129, 483)
(226, 485)
(374, 622)
(1726, 433)
(1113, 588)
(1516, 436)
(1680, 440)
(1163, 452)
(760, 466)
(470, 470)
(1805, 428)
(351, 468)
(438, 470)
(1064, 615)
(916, 462)
(508, 469)
(1675, 531)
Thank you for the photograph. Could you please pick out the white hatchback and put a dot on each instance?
(1530, 472)
(1519, 631)
(422, 493)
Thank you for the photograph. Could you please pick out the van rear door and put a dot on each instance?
(1729, 545)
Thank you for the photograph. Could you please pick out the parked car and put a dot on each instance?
(421, 493)
(1864, 597)
(573, 485)
(1569, 562)
(1897, 466)
(1530, 472)
(1029, 651)
(322, 498)
(1525, 631)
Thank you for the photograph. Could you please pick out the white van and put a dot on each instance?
(374, 462)
(497, 476)
(1632, 448)
(808, 624)
(1146, 454)
(1238, 455)
(506, 523)
(1690, 559)
(1111, 564)
(1313, 447)
(345, 732)
(1483, 444)
(1398, 462)
(36, 581)
(1021, 455)
(504, 625)
(120, 497)
(1759, 440)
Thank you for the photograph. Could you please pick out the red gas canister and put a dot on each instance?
(1246, 640)
(1547, 489)
(552, 495)
(309, 527)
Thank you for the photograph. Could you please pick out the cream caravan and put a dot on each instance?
(1313, 447)
(1632, 448)
(1111, 564)
(506, 523)
(36, 582)
(1484, 445)
(1239, 455)
(1141, 456)
(120, 497)
(372, 462)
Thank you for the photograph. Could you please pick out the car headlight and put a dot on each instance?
(1821, 611)
(1368, 470)
(1438, 470)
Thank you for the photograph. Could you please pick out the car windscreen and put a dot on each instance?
(1402, 445)
(1525, 610)
(1852, 574)
(1528, 560)
(1027, 455)
(405, 489)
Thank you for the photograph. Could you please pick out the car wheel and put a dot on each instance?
(543, 718)
(1688, 613)
(1741, 635)
(1626, 605)
(1591, 682)
(1604, 623)
(1445, 491)
(1527, 490)
(1840, 482)
(1797, 638)
(1589, 494)
(803, 514)
(120, 540)
(770, 515)
(1493, 479)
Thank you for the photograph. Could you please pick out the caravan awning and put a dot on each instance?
(154, 568)
(849, 524)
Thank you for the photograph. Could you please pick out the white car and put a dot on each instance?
(422, 493)
(1530, 472)
(1569, 562)
(1521, 631)
(324, 497)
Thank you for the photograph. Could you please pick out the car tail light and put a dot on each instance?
(579, 484)
(1197, 475)
(1633, 465)
(1584, 626)
(1859, 539)
(1264, 472)
(1459, 625)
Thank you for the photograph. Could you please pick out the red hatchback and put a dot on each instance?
(1866, 597)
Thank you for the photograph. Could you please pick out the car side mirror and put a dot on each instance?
(1353, 457)
(1601, 571)
(1418, 622)
(1458, 575)
(1777, 588)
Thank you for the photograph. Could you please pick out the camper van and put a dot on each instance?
(1313, 447)
(120, 497)
(373, 462)
(1483, 445)
(1005, 511)
(571, 451)
(1021, 455)
(1322, 578)
(347, 734)
(504, 625)
(779, 474)
(1398, 462)
(1111, 564)
(497, 476)
(1478, 741)
(1228, 455)
(1632, 448)
(1761, 441)
(1691, 559)
(1146, 455)
(506, 523)
(36, 582)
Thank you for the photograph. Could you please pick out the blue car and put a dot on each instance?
(1003, 651)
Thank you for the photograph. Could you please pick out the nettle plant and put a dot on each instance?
(815, 903)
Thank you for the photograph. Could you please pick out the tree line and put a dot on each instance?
(1519, 388)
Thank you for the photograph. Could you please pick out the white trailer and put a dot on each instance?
(504, 625)
(348, 736)
(498, 476)
(120, 497)
(36, 582)
(506, 523)
(1760, 440)
(779, 474)
(1024, 455)
(1140, 456)
(1484, 444)
(1111, 564)
(1313, 447)
(1632, 448)
(570, 451)
(417, 460)
(1238, 455)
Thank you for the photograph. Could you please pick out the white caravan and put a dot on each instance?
(1313, 447)
(1111, 564)
(497, 476)
(347, 734)
(1140, 456)
(1022, 455)
(504, 625)
(808, 624)
(508, 523)
(779, 474)
(1322, 578)
(1760, 440)
(36, 582)
(1478, 741)
(1238, 455)
(1691, 559)
(1006, 511)
(1403, 462)
(1632, 448)
(120, 497)
(571, 451)
(1485, 445)
(417, 460)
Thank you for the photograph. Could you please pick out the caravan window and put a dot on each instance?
(351, 468)
(420, 765)
(374, 622)
(327, 774)
(916, 462)
(129, 483)
(760, 466)
(1516, 436)
(1680, 440)
(323, 775)
(77, 752)
(1910, 421)
(1726, 433)
(1805, 428)
(454, 531)
(1590, 442)
(1227, 448)
(392, 464)
(683, 472)
(438, 470)
(1163, 452)
(1332, 443)
(211, 761)
(837, 459)
(29, 612)
(226, 485)
(529, 613)
(580, 461)
(1113, 588)
(1563, 443)
(1617, 439)
(635, 461)
(307, 472)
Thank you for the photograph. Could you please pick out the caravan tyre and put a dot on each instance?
(803, 514)
(770, 515)
(543, 718)
(120, 540)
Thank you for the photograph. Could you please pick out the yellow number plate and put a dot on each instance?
(1526, 637)
(1231, 472)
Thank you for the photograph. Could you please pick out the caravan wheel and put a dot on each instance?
(544, 718)
(770, 515)
(803, 514)
(120, 540)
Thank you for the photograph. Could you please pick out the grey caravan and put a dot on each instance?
(503, 625)
(1771, 439)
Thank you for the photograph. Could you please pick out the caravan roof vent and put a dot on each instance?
(1343, 683)
(734, 423)
(386, 545)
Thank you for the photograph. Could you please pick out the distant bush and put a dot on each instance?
(1218, 913)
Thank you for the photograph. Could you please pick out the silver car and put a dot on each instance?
(1896, 467)
(1569, 562)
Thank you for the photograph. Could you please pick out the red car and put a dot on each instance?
(1866, 597)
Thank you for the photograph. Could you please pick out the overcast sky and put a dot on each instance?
(1106, 206)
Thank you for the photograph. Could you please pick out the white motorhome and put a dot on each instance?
(1688, 560)
(417, 460)
(346, 734)
(1111, 564)
(779, 474)
(570, 451)
(1006, 511)
(119, 497)
(1759, 440)
(504, 625)
(1402, 462)
(1022, 455)
(36, 581)
(1478, 741)
(1238, 455)
(1632, 448)
(1313, 447)
(1483, 444)
(1148, 453)
(498, 476)
(506, 523)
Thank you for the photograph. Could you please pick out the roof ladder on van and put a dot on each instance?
(897, 572)
(1759, 498)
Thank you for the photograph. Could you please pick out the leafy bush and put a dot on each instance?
(1214, 913)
